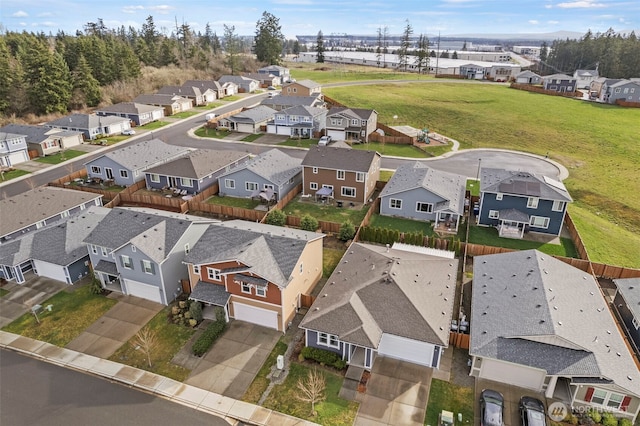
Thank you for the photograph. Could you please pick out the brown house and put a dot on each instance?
(344, 174)
(301, 88)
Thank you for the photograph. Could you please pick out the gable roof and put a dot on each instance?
(303, 110)
(374, 290)
(130, 108)
(629, 288)
(36, 134)
(336, 158)
(86, 121)
(254, 115)
(273, 68)
(449, 186)
(185, 90)
(199, 163)
(160, 99)
(310, 84)
(522, 183)
(284, 101)
(532, 309)
(204, 84)
(558, 77)
(624, 83)
(143, 154)
(527, 73)
(273, 165)
(269, 251)
(359, 113)
(30, 207)
(586, 73)
(237, 79)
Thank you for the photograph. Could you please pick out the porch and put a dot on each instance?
(512, 223)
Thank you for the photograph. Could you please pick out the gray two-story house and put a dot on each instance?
(140, 114)
(277, 70)
(44, 140)
(245, 84)
(559, 83)
(355, 124)
(516, 202)
(298, 121)
(13, 149)
(92, 126)
(624, 90)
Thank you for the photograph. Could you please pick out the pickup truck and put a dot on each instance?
(324, 141)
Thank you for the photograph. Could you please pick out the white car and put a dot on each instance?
(324, 141)
(129, 132)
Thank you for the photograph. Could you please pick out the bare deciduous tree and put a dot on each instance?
(312, 389)
(146, 340)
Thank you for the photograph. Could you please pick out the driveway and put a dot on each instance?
(113, 329)
(22, 296)
(397, 394)
(234, 360)
(512, 395)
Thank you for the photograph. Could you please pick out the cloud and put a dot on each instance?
(553, 22)
(20, 14)
(132, 9)
(580, 4)
(533, 22)
(162, 9)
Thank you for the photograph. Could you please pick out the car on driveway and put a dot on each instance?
(129, 132)
(532, 412)
(324, 141)
(491, 408)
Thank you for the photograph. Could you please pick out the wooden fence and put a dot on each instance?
(306, 300)
(459, 340)
(80, 174)
(538, 89)
(624, 103)
(575, 237)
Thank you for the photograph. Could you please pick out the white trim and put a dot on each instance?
(398, 203)
(328, 339)
(494, 214)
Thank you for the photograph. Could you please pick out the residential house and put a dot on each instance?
(624, 90)
(277, 70)
(253, 120)
(395, 302)
(41, 206)
(600, 88)
(141, 252)
(280, 103)
(256, 272)
(528, 77)
(516, 202)
(351, 123)
(55, 251)
(245, 84)
(559, 83)
(126, 166)
(626, 302)
(266, 80)
(198, 97)
(44, 140)
(207, 86)
(301, 88)
(13, 149)
(172, 104)
(584, 78)
(340, 173)
(419, 192)
(194, 172)
(92, 126)
(269, 175)
(298, 121)
(229, 88)
(472, 71)
(140, 114)
(542, 324)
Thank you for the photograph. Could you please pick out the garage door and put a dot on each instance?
(406, 349)
(145, 291)
(271, 128)
(255, 315)
(245, 128)
(18, 157)
(513, 374)
(49, 270)
(284, 130)
(336, 135)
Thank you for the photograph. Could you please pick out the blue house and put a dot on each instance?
(13, 149)
(627, 304)
(516, 202)
(298, 121)
(268, 175)
(277, 70)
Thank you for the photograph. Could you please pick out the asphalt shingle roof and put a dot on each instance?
(210, 293)
(254, 115)
(629, 288)
(273, 165)
(143, 155)
(285, 101)
(522, 183)
(36, 134)
(199, 163)
(159, 99)
(129, 108)
(86, 121)
(335, 158)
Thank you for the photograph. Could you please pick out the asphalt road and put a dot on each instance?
(37, 393)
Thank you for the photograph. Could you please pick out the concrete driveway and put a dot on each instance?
(116, 326)
(234, 360)
(22, 296)
(511, 394)
(397, 394)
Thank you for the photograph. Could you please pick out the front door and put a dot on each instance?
(109, 173)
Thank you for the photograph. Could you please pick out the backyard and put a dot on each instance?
(326, 212)
(402, 225)
(489, 237)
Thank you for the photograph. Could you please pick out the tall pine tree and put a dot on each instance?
(269, 39)
(86, 89)
(320, 48)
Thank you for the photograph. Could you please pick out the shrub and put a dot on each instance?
(96, 286)
(347, 231)
(625, 422)
(196, 311)
(323, 357)
(309, 223)
(276, 217)
(608, 419)
(210, 335)
(595, 416)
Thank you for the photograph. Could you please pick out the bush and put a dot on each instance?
(595, 416)
(210, 335)
(625, 422)
(96, 286)
(323, 357)
(276, 217)
(195, 309)
(309, 223)
(608, 419)
(347, 231)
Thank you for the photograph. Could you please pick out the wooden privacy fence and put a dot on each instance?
(538, 89)
(459, 340)
(575, 237)
(306, 300)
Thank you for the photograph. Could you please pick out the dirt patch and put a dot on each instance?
(332, 242)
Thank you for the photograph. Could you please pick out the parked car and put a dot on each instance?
(491, 408)
(324, 141)
(532, 412)
(210, 116)
(271, 88)
(129, 132)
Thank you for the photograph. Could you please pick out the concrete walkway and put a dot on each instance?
(22, 297)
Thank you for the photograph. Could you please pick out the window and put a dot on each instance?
(96, 170)
(336, 122)
(213, 274)
(196, 269)
(424, 207)
(494, 214)
(499, 196)
(268, 186)
(340, 174)
(348, 191)
(186, 182)
(147, 267)
(301, 267)
(155, 178)
(636, 323)
(280, 117)
(359, 177)
(94, 249)
(104, 252)
(261, 291)
(230, 183)
(295, 118)
(126, 261)
(124, 174)
(626, 90)
(64, 214)
(246, 288)
(598, 397)
(354, 122)
(133, 248)
(617, 90)
(558, 206)
(313, 186)
(41, 224)
(532, 202)
(329, 340)
(315, 170)
(615, 401)
(395, 203)
(250, 186)
(539, 222)
(187, 249)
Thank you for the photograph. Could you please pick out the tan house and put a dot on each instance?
(343, 174)
(301, 88)
(354, 124)
(172, 104)
(256, 272)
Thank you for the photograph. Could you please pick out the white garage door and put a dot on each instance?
(284, 130)
(18, 157)
(255, 315)
(406, 349)
(271, 128)
(513, 374)
(336, 135)
(145, 291)
(245, 128)
(49, 270)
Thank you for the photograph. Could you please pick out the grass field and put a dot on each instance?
(446, 396)
(154, 125)
(60, 157)
(13, 174)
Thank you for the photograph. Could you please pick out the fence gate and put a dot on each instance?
(306, 300)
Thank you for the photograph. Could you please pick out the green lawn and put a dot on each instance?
(185, 114)
(60, 156)
(72, 312)
(330, 73)
(15, 173)
(392, 149)
(252, 137)
(211, 133)
(301, 143)
(325, 212)
(332, 411)
(154, 125)
(489, 237)
(231, 98)
(209, 106)
(446, 396)
(261, 381)
(3, 292)
(245, 203)
(170, 339)
(402, 225)
(473, 186)
(385, 175)
(330, 259)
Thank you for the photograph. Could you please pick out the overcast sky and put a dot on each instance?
(449, 17)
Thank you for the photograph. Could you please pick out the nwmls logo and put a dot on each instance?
(557, 411)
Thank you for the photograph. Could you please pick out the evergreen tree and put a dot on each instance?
(464, 46)
(320, 48)
(422, 54)
(544, 51)
(455, 55)
(48, 80)
(296, 47)
(216, 46)
(432, 54)
(405, 44)
(86, 89)
(444, 54)
(379, 46)
(232, 49)
(5, 76)
(268, 41)
(151, 38)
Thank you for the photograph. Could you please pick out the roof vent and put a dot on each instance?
(443, 313)
(324, 295)
(559, 322)
(618, 353)
(484, 332)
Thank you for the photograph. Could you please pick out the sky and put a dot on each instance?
(298, 17)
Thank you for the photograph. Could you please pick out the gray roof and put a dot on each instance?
(199, 163)
(271, 252)
(532, 309)
(449, 186)
(527, 73)
(587, 73)
(558, 77)
(273, 68)
(86, 121)
(622, 83)
(335, 158)
(108, 267)
(629, 288)
(514, 215)
(292, 100)
(273, 165)
(28, 208)
(203, 85)
(359, 113)
(373, 290)
(522, 183)
(60, 243)
(186, 91)
(36, 134)
(159, 99)
(214, 294)
(307, 83)
(304, 110)
(5, 135)
(129, 108)
(254, 115)
(237, 79)
(143, 155)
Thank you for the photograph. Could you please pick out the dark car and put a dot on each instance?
(532, 412)
(491, 408)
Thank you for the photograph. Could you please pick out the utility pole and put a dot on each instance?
(438, 53)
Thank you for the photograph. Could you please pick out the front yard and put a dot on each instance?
(447, 396)
(60, 157)
(154, 125)
(185, 114)
(204, 132)
(12, 174)
(261, 381)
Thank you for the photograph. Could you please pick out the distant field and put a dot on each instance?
(332, 73)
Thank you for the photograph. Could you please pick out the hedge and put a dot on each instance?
(210, 335)
(323, 357)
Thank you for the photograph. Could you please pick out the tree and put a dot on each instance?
(347, 231)
(86, 89)
(405, 44)
(276, 217)
(5, 76)
(432, 54)
(296, 48)
(312, 389)
(544, 52)
(48, 80)
(232, 48)
(422, 54)
(309, 223)
(379, 46)
(269, 39)
(151, 38)
(444, 54)
(320, 48)
(147, 341)
(464, 46)
(455, 55)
